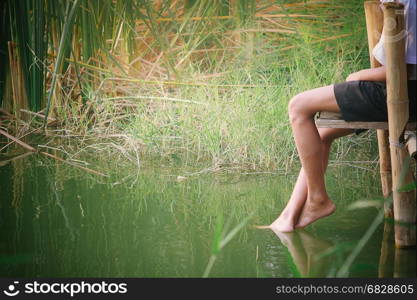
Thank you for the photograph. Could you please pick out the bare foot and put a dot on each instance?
(313, 211)
(282, 224)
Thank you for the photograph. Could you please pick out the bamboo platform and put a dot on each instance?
(397, 137)
(334, 120)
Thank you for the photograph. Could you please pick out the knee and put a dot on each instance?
(296, 108)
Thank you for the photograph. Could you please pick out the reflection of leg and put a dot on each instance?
(289, 216)
(292, 241)
(318, 264)
(312, 243)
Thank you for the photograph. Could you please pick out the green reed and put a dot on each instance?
(187, 80)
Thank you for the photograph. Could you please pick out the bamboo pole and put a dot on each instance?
(398, 114)
(374, 23)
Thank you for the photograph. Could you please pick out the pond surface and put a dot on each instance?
(57, 221)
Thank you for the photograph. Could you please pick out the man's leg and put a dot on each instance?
(288, 218)
(302, 109)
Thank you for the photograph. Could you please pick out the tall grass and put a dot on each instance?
(189, 80)
(4, 36)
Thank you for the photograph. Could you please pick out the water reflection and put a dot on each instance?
(314, 256)
(386, 259)
(310, 254)
(58, 221)
(395, 262)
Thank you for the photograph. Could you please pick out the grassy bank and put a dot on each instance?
(233, 124)
(239, 118)
(194, 83)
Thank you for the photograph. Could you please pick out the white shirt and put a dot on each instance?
(410, 46)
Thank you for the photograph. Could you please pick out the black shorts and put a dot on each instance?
(367, 100)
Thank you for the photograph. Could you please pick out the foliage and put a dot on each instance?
(194, 80)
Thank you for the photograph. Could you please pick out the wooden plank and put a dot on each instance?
(329, 123)
(330, 115)
(334, 120)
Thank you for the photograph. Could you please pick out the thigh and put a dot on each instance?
(319, 99)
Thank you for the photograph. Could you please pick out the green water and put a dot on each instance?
(58, 221)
